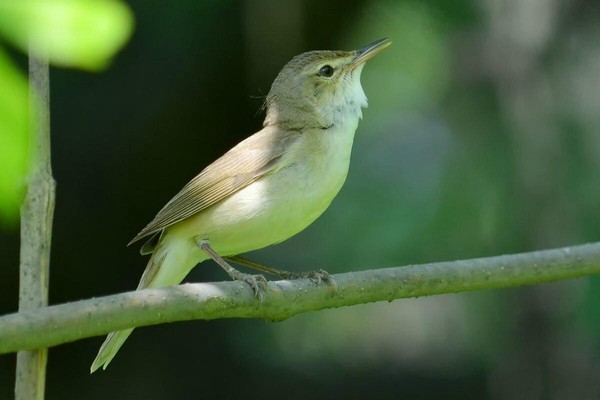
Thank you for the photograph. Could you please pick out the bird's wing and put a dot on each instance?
(257, 156)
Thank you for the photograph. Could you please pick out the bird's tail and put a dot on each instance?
(169, 264)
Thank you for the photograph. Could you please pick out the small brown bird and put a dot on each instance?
(270, 186)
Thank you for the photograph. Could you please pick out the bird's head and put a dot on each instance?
(320, 89)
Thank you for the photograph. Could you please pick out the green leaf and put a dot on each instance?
(71, 33)
(14, 139)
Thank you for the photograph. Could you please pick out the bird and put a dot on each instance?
(267, 188)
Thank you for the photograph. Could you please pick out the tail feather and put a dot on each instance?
(109, 349)
(168, 266)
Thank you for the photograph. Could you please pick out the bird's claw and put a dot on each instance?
(319, 276)
(258, 283)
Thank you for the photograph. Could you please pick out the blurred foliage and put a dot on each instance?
(481, 138)
(69, 33)
(14, 131)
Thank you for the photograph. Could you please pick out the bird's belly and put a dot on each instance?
(270, 210)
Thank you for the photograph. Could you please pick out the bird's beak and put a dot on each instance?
(370, 51)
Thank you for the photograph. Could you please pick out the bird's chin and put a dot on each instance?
(344, 106)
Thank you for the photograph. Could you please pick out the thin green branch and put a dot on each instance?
(36, 229)
(283, 299)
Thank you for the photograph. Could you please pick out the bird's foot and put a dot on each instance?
(258, 283)
(319, 276)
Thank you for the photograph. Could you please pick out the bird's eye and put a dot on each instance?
(326, 70)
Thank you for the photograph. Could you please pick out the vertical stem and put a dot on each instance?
(36, 228)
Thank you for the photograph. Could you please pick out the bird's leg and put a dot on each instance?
(317, 276)
(258, 283)
(259, 267)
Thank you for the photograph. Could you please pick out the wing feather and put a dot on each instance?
(253, 158)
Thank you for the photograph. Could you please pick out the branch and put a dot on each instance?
(36, 229)
(283, 299)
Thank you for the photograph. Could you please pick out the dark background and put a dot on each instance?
(482, 138)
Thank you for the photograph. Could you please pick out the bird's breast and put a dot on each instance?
(321, 162)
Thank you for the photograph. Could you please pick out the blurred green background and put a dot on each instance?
(482, 138)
